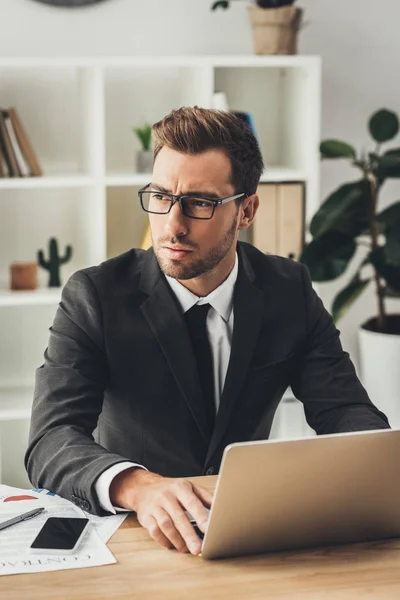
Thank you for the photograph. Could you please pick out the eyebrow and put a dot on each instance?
(198, 194)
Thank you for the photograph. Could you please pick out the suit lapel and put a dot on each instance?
(164, 316)
(248, 315)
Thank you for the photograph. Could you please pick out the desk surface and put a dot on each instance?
(147, 571)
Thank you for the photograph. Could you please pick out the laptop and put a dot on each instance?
(279, 495)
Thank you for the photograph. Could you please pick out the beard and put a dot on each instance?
(177, 270)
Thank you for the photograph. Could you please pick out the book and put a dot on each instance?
(279, 225)
(247, 118)
(290, 219)
(22, 165)
(3, 163)
(8, 149)
(264, 234)
(24, 143)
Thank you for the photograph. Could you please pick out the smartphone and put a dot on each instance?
(60, 535)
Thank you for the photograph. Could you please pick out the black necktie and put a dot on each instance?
(196, 322)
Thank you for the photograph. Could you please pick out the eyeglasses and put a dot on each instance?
(195, 207)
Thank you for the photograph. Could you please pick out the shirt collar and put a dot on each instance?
(221, 299)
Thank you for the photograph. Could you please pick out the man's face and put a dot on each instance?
(190, 248)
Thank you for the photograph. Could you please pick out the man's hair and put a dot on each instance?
(196, 130)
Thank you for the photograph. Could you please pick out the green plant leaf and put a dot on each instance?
(327, 256)
(336, 149)
(220, 4)
(144, 135)
(347, 297)
(345, 210)
(387, 165)
(389, 292)
(392, 246)
(388, 216)
(390, 273)
(383, 125)
(274, 3)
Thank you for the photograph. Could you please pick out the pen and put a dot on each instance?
(23, 517)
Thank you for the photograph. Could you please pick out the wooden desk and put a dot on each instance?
(146, 571)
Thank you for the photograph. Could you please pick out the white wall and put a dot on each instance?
(358, 40)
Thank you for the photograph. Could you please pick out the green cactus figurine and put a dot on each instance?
(54, 262)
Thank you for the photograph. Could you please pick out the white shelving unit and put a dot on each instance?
(79, 115)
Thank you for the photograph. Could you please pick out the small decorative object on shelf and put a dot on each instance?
(144, 159)
(55, 261)
(23, 276)
(276, 24)
(247, 118)
(220, 101)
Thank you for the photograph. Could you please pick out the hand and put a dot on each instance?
(160, 504)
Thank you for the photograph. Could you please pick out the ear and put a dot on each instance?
(248, 210)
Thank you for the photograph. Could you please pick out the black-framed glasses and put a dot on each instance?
(195, 207)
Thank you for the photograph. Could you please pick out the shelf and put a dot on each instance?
(15, 403)
(46, 181)
(217, 60)
(271, 174)
(124, 178)
(37, 297)
(282, 174)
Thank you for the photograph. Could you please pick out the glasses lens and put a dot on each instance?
(197, 208)
(155, 202)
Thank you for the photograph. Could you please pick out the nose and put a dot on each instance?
(176, 222)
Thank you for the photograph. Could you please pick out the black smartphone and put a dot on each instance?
(60, 535)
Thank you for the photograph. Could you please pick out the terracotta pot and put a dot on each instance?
(380, 366)
(23, 276)
(275, 30)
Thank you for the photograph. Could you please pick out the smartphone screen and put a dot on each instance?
(59, 533)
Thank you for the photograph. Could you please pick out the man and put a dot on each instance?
(165, 383)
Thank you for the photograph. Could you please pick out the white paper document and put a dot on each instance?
(104, 526)
(16, 557)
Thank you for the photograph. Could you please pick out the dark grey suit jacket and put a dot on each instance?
(119, 361)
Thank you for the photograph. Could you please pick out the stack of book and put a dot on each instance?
(279, 225)
(17, 157)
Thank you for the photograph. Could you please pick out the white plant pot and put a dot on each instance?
(144, 161)
(380, 371)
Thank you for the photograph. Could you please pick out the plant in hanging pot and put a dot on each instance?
(275, 23)
(144, 157)
(350, 219)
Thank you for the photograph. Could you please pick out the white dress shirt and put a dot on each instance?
(219, 330)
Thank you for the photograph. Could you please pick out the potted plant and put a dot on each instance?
(348, 220)
(275, 24)
(144, 157)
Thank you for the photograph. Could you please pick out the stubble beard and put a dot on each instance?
(176, 270)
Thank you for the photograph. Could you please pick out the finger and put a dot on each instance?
(155, 532)
(167, 525)
(194, 505)
(183, 525)
(205, 495)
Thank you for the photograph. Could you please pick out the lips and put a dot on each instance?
(176, 252)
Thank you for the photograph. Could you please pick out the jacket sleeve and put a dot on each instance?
(62, 455)
(325, 380)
